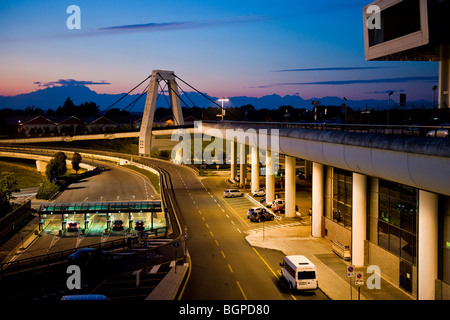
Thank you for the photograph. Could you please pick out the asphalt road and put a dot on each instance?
(224, 265)
(114, 184)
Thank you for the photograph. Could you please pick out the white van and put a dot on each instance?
(300, 273)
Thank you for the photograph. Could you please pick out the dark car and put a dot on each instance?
(259, 214)
(88, 256)
(139, 225)
(72, 226)
(117, 225)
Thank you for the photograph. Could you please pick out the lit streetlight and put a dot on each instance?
(223, 110)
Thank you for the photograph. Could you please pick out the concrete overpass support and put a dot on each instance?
(290, 187)
(243, 164)
(307, 169)
(359, 213)
(233, 160)
(317, 199)
(270, 176)
(427, 263)
(255, 168)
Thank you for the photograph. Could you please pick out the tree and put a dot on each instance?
(8, 185)
(76, 160)
(57, 166)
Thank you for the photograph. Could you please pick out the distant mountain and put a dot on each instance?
(53, 97)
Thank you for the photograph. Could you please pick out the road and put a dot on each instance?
(114, 184)
(224, 265)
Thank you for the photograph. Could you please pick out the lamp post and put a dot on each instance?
(389, 105)
(434, 100)
(223, 100)
(345, 110)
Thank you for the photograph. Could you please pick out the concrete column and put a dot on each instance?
(359, 213)
(317, 199)
(290, 187)
(427, 264)
(233, 160)
(307, 169)
(270, 176)
(255, 168)
(444, 76)
(243, 164)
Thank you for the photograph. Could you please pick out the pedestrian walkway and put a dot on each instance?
(295, 239)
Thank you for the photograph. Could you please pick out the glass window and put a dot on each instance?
(397, 214)
(383, 235)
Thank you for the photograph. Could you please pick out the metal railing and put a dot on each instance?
(404, 130)
(50, 259)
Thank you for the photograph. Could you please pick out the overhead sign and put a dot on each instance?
(359, 279)
(351, 271)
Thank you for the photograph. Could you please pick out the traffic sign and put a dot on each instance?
(351, 271)
(277, 217)
(176, 244)
(359, 280)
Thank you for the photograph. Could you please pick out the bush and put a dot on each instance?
(46, 190)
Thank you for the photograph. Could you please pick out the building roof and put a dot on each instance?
(71, 120)
(40, 120)
(102, 120)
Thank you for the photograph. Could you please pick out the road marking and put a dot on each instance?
(229, 267)
(271, 270)
(236, 213)
(216, 242)
(155, 269)
(233, 222)
(212, 234)
(239, 230)
(207, 225)
(223, 254)
(242, 291)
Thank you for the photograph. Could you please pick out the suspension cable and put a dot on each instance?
(104, 111)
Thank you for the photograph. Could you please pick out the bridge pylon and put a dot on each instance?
(145, 134)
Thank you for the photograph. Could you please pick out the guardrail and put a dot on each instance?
(60, 257)
(405, 130)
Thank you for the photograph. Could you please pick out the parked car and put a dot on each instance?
(278, 205)
(253, 211)
(139, 225)
(88, 256)
(440, 133)
(231, 193)
(72, 226)
(269, 204)
(117, 225)
(260, 192)
(259, 214)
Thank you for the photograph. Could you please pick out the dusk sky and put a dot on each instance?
(223, 48)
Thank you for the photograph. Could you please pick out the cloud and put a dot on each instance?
(345, 82)
(68, 82)
(148, 26)
(152, 26)
(331, 69)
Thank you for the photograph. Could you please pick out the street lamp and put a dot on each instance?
(345, 110)
(434, 100)
(223, 100)
(389, 105)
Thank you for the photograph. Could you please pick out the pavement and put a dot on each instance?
(331, 269)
